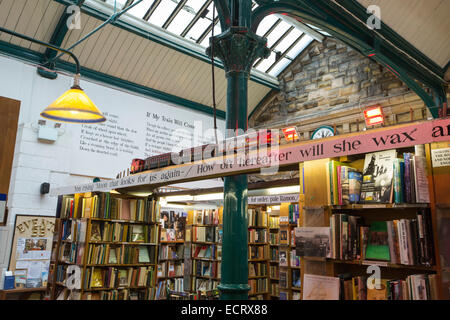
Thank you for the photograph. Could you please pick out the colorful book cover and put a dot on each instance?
(378, 177)
(398, 190)
(407, 176)
(378, 243)
(354, 187)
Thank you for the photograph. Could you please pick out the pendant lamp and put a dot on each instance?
(74, 106)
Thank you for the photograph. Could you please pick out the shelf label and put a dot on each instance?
(284, 219)
(275, 199)
(441, 157)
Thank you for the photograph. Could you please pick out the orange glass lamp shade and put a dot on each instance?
(74, 106)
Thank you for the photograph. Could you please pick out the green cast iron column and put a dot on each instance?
(238, 47)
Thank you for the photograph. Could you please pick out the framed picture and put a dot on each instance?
(3, 210)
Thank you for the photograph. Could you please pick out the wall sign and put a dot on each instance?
(441, 157)
(369, 141)
(149, 128)
(31, 248)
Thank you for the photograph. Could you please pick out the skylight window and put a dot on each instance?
(193, 20)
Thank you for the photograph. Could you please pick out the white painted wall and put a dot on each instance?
(36, 162)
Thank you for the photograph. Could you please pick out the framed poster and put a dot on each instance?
(31, 248)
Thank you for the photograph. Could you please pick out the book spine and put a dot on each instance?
(409, 242)
(391, 235)
(406, 157)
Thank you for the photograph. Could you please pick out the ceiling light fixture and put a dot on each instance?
(74, 105)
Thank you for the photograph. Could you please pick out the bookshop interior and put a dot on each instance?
(224, 150)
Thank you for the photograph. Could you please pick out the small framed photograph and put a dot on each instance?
(20, 278)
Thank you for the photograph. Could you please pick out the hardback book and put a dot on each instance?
(143, 255)
(96, 234)
(313, 242)
(171, 236)
(320, 287)
(283, 279)
(283, 260)
(407, 176)
(284, 239)
(123, 277)
(125, 210)
(378, 242)
(138, 233)
(332, 181)
(378, 176)
(399, 169)
(283, 295)
(375, 293)
(96, 278)
(112, 259)
(421, 180)
(350, 185)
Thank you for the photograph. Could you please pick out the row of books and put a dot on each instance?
(112, 254)
(284, 279)
(294, 213)
(274, 271)
(172, 234)
(117, 277)
(176, 284)
(206, 268)
(274, 253)
(168, 269)
(205, 234)
(206, 216)
(402, 241)
(294, 296)
(274, 222)
(274, 289)
(201, 284)
(274, 238)
(120, 232)
(293, 261)
(258, 236)
(123, 294)
(414, 287)
(258, 285)
(74, 230)
(71, 252)
(257, 269)
(168, 252)
(258, 252)
(105, 206)
(257, 217)
(385, 178)
(207, 251)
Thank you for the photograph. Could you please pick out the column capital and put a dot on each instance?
(238, 48)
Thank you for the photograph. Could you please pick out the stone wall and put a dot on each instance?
(331, 84)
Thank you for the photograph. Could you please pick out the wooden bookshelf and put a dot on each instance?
(258, 242)
(274, 227)
(204, 255)
(166, 252)
(77, 216)
(315, 211)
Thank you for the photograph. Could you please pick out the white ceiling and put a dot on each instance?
(423, 23)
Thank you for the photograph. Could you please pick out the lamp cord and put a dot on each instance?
(213, 76)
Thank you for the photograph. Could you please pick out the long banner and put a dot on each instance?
(399, 136)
